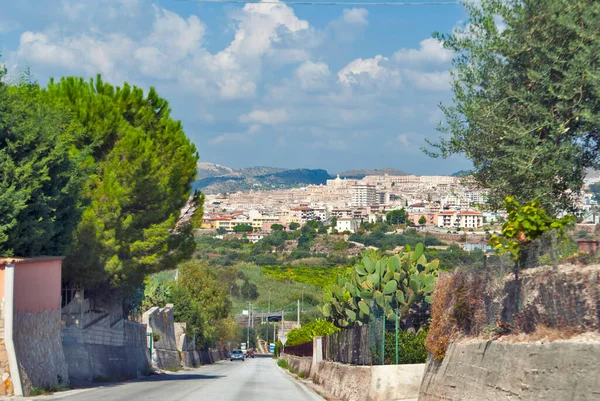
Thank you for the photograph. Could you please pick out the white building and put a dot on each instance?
(364, 195)
(346, 224)
(465, 219)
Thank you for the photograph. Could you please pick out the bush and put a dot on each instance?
(282, 363)
(457, 307)
(411, 347)
(307, 332)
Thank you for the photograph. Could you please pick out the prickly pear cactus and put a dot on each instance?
(388, 283)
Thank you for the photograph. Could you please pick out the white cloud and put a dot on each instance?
(231, 137)
(403, 139)
(355, 16)
(266, 117)
(371, 67)
(430, 51)
(435, 81)
(313, 75)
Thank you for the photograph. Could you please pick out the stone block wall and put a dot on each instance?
(39, 350)
(6, 387)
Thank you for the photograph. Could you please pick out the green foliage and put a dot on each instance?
(139, 166)
(282, 363)
(40, 186)
(242, 228)
(308, 331)
(411, 347)
(422, 220)
(401, 282)
(395, 217)
(525, 223)
(294, 226)
(277, 227)
(249, 291)
(390, 241)
(526, 98)
(317, 276)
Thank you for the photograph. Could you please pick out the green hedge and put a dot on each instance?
(411, 347)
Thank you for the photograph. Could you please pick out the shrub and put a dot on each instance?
(411, 347)
(307, 332)
(458, 306)
(282, 363)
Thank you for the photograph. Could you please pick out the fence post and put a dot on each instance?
(396, 335)
(383, 339)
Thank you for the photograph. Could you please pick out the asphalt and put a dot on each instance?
(257, 379)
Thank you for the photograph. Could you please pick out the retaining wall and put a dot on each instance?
(362, 383)
(161, 325)
(492, 371)
(106, 352)
(39, 349)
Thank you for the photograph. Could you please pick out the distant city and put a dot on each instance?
(445, 202)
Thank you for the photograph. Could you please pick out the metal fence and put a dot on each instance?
(305, 349)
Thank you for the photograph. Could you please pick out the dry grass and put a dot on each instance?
(541, 333)
(458, 310)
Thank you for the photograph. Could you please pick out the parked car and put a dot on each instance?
(237, 355)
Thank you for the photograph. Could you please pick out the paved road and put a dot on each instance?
(258, 379)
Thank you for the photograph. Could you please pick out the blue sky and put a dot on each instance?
(260, 84)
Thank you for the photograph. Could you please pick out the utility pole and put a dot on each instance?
(248, 335)
(282, 328)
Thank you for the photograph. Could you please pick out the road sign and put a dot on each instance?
(244, 312)
(272, 347)
(283, 339)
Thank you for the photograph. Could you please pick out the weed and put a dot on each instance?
(283, 363)
(302, 374)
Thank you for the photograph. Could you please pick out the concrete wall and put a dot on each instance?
(160, 323)
(362, 383)
(103, 351)
(300, 364)
(492, 371)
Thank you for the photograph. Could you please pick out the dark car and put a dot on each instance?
(237, 355)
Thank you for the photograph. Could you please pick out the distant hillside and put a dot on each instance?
(257, 178)
(461, 173)
(358, 174)
(207, 170)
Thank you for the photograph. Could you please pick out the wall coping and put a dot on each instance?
(17, 260)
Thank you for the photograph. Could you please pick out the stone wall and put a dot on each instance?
(105, 351)
(39, 350)
(491, 371)
(362, 383)
(161, 325)
(6, 387)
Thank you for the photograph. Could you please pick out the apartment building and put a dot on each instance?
(364, 195)
(462, 219)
